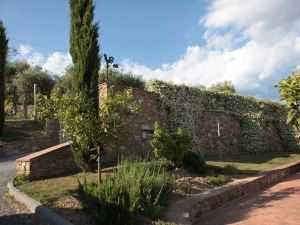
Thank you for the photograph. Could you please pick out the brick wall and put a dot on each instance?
(219, 133)
(51, 162)
(215, 139)
(136, 140)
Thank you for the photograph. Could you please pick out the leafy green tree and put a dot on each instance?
(84, 48)
(290, 92)
(12, 69)
(120, 78)
(24, 82)
(63, 85)
(3, 56)
(172, 147)
(89, 133)
(225, 86)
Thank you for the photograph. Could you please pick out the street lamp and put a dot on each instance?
(109, 61)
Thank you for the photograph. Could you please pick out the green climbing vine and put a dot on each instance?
(184, 106)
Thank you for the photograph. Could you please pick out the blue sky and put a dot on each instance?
(253, 43)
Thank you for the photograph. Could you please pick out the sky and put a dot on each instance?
(253, 43)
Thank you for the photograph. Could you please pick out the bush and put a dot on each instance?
(217, 180)
(194, 162)
(138, 187)
(126, 79)
(171, 147)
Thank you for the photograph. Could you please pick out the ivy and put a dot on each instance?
(184, 105)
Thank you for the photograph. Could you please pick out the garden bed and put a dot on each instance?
(60, 194)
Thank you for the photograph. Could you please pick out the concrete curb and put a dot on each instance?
(36, 207)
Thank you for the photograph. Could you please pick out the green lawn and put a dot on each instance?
(53, 191)
(251, 164)
(19, 129)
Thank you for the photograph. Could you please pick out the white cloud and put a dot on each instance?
(55, 63)
(247, 42)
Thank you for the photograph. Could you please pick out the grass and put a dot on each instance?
(250, 164)
(54, 191)
(20, 129)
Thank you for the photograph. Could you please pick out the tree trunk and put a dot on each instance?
(25, 104)
(99, 166)
(15, 101)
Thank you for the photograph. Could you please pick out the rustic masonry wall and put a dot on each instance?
(32, 144)
(51, 162)
(219, 133)
(140, 127)
(214, 141)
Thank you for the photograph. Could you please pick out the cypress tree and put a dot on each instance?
(3, 55)
(84, 48)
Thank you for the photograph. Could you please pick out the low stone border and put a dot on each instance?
(36, 207)
(192, 208)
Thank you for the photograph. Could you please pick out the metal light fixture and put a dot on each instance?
(109, 61)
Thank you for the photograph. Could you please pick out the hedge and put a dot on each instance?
(184, 104)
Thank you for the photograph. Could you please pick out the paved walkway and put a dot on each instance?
(278, 205)
(10, 215)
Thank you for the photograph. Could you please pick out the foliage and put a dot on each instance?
(194, 161)
(185, 105)
(125, 79)
(3, 56)
(90, 134)
(63, 85)
(12, 69)
(225, 86)
(19, 179)
(138, 187)
(84, 49)
(290, 92)
(217, 180)
(171, 146)
(24, 83)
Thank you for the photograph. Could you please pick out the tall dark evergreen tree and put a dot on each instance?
(84, 48)
(3, 55)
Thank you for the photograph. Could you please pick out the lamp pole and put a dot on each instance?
(109, 61)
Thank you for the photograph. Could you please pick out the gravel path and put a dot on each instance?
(12, 213)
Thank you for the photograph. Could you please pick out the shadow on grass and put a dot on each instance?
(254, 158)
(15, 130)
(212, 170)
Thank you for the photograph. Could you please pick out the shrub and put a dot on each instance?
(171, 147)
(20, 179)
(138, 187)
(217, 180)
(194, 162)
(126, 79)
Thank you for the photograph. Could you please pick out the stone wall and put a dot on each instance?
(273, 140)
(136, 140)
(219, 133)
(32, 144)
(51, 162)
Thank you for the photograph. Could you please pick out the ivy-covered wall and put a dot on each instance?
(184, 104)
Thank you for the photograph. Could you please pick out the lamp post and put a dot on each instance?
(109, 61)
